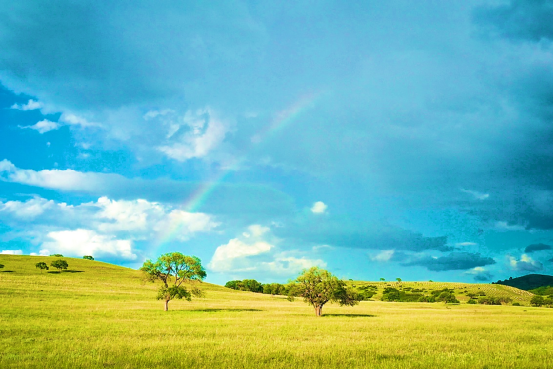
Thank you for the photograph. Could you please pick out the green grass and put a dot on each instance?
(105, 316)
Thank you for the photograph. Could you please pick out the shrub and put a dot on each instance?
(472, 301)
(56, 255)
(516, 304)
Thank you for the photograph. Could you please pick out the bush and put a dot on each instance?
(56, 255)
(516, 304)
(472, 301)
(489, 301)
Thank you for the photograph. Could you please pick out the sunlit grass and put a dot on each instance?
(106, 316)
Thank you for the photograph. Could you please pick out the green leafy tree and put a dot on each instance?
(382, 279)
(537, 301)
(56, 255)
(60, 265)
(42, 266)
(90, 258)
(317, 287)
(399, 280)
(174, 269)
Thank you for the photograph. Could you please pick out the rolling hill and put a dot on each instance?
(528, 282)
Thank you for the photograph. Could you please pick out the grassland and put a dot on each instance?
(101, 315)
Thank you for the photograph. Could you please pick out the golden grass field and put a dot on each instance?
(105, 316)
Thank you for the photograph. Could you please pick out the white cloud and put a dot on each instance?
(155, 113)
(476, 194)
(12, 251)
(525, 263)
(287, 265)
(31, 105)
(42, 252)
(114, 223)
(383, 256)
(43, 126)
(57, 179)
(72, 119)
(319, 207)
(27, 210)
(206, 132)
(465, 244)
(87, 242)
(231, 256)
(476, 270)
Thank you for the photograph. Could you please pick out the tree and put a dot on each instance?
(537, 301)
(399, 280)
(42, 266)
(174, 269)
(91, 258)
(56, 255)
(382, 279)
(60, 265)
(317, 287)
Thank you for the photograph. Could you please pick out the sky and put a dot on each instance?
(375, 139)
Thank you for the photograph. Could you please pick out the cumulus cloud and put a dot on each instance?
(319, 207)
(31, 105)
(525, 263)
(232, 256)
(537, 247)
(453, 261)
(254, 253)
(75, 120)
(12, 251)
(103, 226)
(88, 242)
(43, 126)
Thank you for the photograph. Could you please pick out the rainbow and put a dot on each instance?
(198, 197)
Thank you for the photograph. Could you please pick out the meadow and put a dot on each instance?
(98, 315)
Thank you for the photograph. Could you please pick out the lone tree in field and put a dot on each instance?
(60, 265)
(317, 287)
(42, 266)
(91, 258)
(174, 269)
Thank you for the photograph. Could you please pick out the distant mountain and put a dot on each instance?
(528, 282)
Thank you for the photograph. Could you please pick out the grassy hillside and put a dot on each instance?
(528, 282)
(462, 291)
(100, 315)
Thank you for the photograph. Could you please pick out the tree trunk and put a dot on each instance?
(166, 304)
(318, 310)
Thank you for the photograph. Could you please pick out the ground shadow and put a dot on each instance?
(224, 309)
(7, 271)
(347, 315)
(66, 271)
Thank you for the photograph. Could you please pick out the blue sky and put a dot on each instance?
(375, 139)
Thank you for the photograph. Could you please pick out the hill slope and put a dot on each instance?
(528, 282)
(104, 316)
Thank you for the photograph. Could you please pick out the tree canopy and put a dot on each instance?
(42, 266)
(91, 258)
(174, 269)
(317, 287)
(60, 265)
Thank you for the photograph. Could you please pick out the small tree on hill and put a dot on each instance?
(174, 269)
(42, 266)
(317, 287)
(60, 265)
(91, 258)
(56, 255)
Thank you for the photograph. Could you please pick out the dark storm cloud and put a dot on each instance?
(483, 276)
(453, 261)
(537, 247)
(520, 19)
